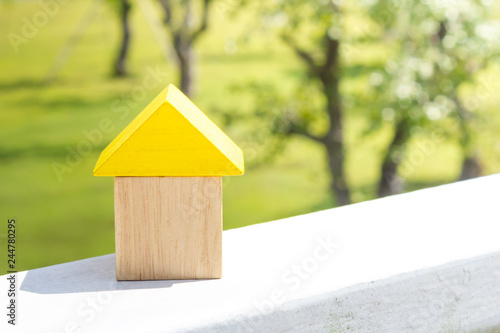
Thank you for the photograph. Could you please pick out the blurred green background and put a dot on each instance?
(68, 215)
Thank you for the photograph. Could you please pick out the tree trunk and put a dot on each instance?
(184, 50)
(471, 168)
(334, 140)
(390, 183)
(338, 185)
(186, 71)
(121, 61)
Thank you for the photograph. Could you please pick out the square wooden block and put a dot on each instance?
(168, 227)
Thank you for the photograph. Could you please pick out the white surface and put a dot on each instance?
(427, 261)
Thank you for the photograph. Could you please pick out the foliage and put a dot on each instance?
(433, 48)
(440, 46)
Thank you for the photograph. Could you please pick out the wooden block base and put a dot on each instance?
(168, 227)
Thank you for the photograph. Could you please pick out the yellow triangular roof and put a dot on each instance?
(171, 137)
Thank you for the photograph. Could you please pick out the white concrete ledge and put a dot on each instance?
(427, 261)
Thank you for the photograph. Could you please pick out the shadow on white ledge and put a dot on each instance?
(88, 275)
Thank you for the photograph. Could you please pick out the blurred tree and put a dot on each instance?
(318, 34)
(431, 49)
(312, 32)
(180, 21)
(440, 46)
(123, 8)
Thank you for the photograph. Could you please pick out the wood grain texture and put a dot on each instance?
(168, 227)
(171, 137)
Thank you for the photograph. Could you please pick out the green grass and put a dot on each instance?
(69, 219)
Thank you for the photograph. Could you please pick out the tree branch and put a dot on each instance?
(188, 16)
(304, 55)
(442, 31)
(204, 21)
(299, 130)
(332, 52)
(167, 8)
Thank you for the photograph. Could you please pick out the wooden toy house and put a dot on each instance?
(167, 165)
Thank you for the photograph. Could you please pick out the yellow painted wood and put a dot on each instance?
(168, 227)
(171, 137)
